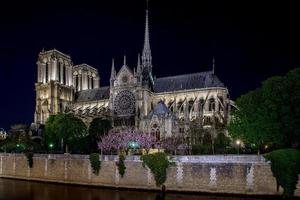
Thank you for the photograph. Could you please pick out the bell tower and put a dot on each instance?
(54, 86)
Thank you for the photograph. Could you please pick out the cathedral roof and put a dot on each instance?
(187, 82)
(160, 109)
(93, 94)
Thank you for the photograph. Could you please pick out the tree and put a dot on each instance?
(18, 139)
(172, 144)
(98, 128)
(121, 141)
(270, 114)
(65, 130)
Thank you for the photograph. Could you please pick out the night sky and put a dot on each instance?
(250, 42)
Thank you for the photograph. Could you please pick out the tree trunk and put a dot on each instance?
(67, 149)
(62, 144)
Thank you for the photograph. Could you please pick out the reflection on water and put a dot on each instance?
(26, 190)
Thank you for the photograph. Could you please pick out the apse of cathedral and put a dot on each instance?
(134, 98)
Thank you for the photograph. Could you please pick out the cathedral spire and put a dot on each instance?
(213, 65)
(138, 67)
(146, 56)
(113, 71)
(124, 62)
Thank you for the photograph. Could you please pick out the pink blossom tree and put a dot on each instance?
(172, 144)
(120, 141)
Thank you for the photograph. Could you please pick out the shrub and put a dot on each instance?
(196, 149)
(121, 165)
(29, 156)
(95, 162)
(158, 164)
(285, 167)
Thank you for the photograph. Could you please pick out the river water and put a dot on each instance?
(28, 190)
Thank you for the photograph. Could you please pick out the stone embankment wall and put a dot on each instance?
(238, 174)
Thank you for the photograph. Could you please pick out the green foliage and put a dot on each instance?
(98, 128)
(29, 156)
(196, 149)
(285, 167)
(95, 163)
(18, 140)
(221, 143)
(65, 129)
(269, 114)
(121, 165)
(158, 164)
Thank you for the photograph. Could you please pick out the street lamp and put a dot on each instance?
(238, 142)
(51, 146)
(133, 145)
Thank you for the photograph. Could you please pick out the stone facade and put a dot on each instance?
(218, 174)
(134, 99)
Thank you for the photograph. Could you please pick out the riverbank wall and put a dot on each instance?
(231, 174)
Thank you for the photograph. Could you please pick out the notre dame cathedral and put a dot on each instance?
(134, 99)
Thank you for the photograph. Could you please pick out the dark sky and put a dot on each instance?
(250, 42)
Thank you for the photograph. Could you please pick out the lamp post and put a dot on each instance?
(133, 145)
(18, 148)
(238, 142)
(51, 147)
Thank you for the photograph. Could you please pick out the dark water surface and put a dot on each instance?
(28, 190)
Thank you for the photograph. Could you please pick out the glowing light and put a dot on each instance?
(238, 142)
(51, 145)
(133, 144)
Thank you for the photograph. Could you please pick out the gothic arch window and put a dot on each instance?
(181, 130)
(201, 105)
(59, 72)
(77, 84)
(212, 104)
(180, 106)
(155, 132)
(64, 74)
(207, 121)
(47, 71)
(157, 135)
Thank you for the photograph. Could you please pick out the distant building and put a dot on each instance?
(3, 134)
(134, 99)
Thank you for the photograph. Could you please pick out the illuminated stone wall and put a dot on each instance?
(218, 174)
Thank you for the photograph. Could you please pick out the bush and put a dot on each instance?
(121, 165)
(158, 164)
(29, 156)
(95, 163)
(285, 167)
(196, 149)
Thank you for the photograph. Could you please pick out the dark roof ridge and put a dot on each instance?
(184, 75)
(103, 87)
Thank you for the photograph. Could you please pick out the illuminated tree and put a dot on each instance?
(65, 129)
(270, 114)
(121, 141)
